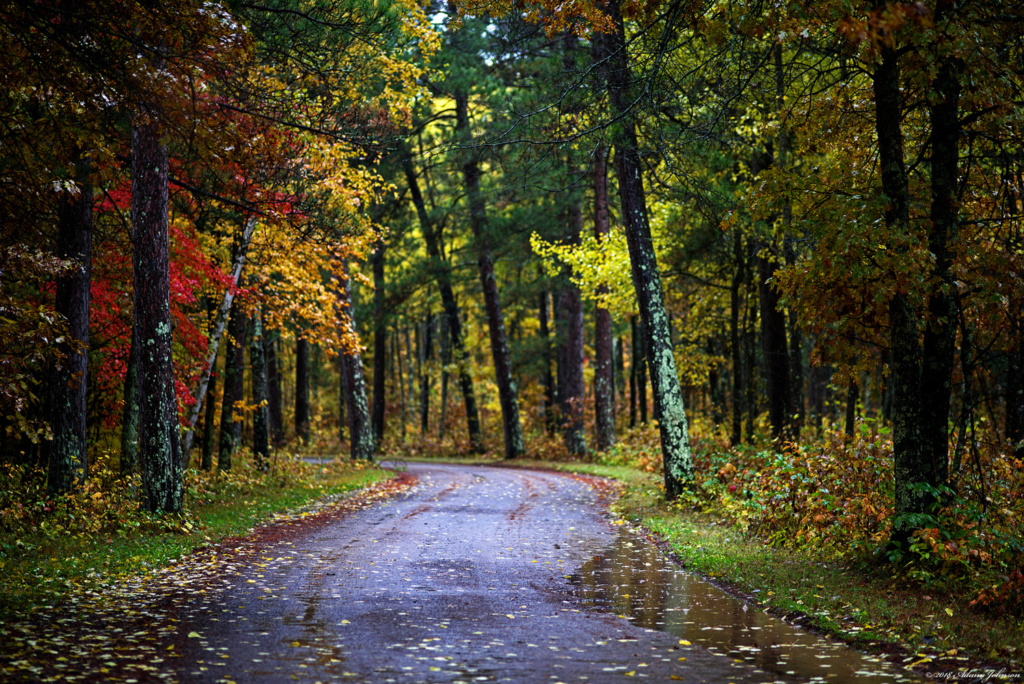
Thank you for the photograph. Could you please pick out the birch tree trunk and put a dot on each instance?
(359, 429)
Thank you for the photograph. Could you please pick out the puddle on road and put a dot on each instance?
(634, 579)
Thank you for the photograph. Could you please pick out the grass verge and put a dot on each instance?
(62, 551)
(868, 606)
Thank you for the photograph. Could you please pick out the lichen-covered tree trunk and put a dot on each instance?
(302, 389)
(231, 429)
(380, 337)
(359, 429)
(68, 465)
(668, 396)
(159, 455)
(456, 344)
(260, 418)
(604, 389)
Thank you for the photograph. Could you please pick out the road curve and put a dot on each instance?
(464, 578)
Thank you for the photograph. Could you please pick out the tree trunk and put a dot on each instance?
(547, 377)
(938, 345)
(604, 388)
(852, 394)
(130, 414)
(359, 429)
(912, 466)
(640, 359)
(302, 389)
(159, 455)
(342, 399)
(634, 371)
(574, 390)
(734, 340)
(231, 429)
(442, 270)
(796, 361)
(507, 393)
(396, 348)
(274, 406)
(776, 353)
(425, 355)
(446, 359)
(380, 343)
(68, 464)
(668, 396)
(260, 418)
(208, 423)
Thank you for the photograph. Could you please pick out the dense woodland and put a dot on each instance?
(391, 227)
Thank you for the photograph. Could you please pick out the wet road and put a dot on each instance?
(474, 575)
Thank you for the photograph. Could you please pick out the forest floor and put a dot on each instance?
(871, 606)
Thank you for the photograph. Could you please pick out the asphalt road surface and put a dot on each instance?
(467, 577)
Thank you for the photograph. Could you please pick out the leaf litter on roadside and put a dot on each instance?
(128, 629)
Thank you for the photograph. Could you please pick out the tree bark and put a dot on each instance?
(159, 455)
(260, 418)
(396, 347)
(302, 389)
(380, 343)
(912, 463)
(774, 346)
(359, 429)
(668, 396)
(275, 415)
(442, 270)
(547, 377)
(574, 390)
(68, 463)
(231, 429)
(130, 413)
(604, 389)
(734, 340)
(852, 395)
(938, 344)
(425, 355)
(507, 392)
(209, 420)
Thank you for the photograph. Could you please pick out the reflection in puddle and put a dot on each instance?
(634, 579)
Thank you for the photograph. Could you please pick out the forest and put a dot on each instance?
(771, 252)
